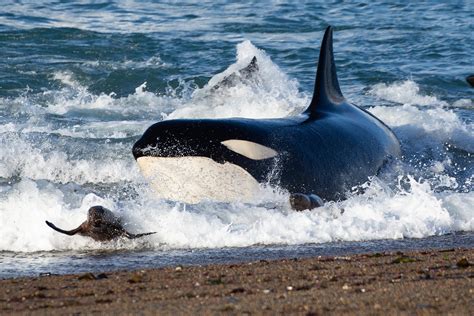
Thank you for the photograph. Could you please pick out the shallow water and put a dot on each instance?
(79, 83)
(95, 261)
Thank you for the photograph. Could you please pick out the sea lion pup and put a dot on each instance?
(101, 225)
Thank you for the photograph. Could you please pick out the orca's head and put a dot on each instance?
(194, 160)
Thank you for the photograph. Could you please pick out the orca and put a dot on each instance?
(245, 74)
(326, 150)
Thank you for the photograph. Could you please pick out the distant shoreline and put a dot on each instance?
(415, 282)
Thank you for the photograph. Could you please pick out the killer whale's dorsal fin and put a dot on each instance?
(327, 93)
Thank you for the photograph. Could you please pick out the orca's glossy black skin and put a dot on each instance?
(470, 80)
(244, 74)
(326, 150)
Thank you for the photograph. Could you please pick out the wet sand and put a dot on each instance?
(420, 282)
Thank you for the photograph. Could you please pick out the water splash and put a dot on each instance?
(69, 149)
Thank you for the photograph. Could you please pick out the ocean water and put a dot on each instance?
(80, 82)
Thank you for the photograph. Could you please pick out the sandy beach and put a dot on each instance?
(421, 282)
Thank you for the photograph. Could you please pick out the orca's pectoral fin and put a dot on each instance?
(301, 202)
(133, 236)
(67, 232)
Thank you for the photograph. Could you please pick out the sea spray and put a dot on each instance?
(68, 149)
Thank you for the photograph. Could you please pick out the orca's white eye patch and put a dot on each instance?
(249, 149)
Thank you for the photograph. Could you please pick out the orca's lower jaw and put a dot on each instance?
(193, 179)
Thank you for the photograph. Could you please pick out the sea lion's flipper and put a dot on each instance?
(67, 232)
(133, 236)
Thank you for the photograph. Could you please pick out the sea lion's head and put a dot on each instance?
(99, 215)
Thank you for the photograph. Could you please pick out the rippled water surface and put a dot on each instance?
(80, 82)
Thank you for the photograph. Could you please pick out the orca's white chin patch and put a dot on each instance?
(194, 179)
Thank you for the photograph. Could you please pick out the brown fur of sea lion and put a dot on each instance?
(101, 225)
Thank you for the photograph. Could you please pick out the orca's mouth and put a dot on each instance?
(195, 179)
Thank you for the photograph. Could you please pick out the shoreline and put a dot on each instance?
(415, 282)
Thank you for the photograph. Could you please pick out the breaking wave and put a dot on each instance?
(65, 150)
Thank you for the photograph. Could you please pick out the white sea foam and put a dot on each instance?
(434, 126)
(154, 62)
(271, 94)
(464, 103)
(378, 213)
(75, 96)
(88, 130)
(373, 215)
(23, 214)
(25, 159)
(460, 205)
(404, 92)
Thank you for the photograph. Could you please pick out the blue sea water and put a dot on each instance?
(81, 81)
